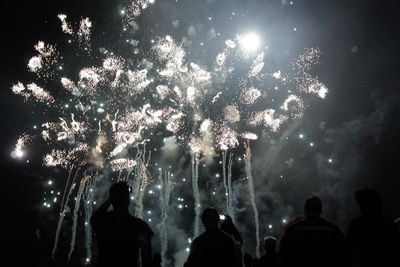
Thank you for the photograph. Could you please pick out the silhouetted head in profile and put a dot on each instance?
(312, 207)
(229, 227)
(210, 218)
(369, 200)
(119, 196)
(269, 244)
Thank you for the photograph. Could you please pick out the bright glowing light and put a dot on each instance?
(19, 153)
(249, 42)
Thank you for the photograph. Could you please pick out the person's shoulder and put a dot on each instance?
(101, 216)
(198, 238)
(138, 221)
(227, 238)
(295, 220)
(290, 228)
(203, 236)
(297, 223)
(141, 224)
(323, 221)
(334, 228)
(327, 225)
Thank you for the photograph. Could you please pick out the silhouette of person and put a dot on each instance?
(312, 241)
(270, 258)
(372, 237)
(120, 236)
(229, 227)
(397, 221)
(156, 260)
(248, 260)
(213, 248)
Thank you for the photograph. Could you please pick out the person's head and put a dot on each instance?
(229, 227)
(312, 207)
(269, 244)
(119, 195)
(369, 200)
(210, 218)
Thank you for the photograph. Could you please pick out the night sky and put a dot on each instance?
(356, 125)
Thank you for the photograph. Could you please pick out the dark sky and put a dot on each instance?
(360, 64)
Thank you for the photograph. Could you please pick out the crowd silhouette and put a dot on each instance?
(372, 239)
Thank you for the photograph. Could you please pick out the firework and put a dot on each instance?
(107, 114)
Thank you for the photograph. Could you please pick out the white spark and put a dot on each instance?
(249, 42)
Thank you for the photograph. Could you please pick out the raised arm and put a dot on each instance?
(100, 210)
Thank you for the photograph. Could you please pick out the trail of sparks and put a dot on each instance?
(88, 208)
(196, 192)
(165, 181)
(64, 210)
(82, 185)
(250, 183)
(227, 178)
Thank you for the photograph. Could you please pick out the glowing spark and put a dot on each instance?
(268, 118)
(294, 104)
(257, 66)
(227, 138)
(84, 31)
(277, 75)
(215, 98)
(249, 42)
(231, 44)
(231, 114)
(122, 164)
(249, 96)
(65, 26)
(249, 136)
(35, 63)
(18, 151)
